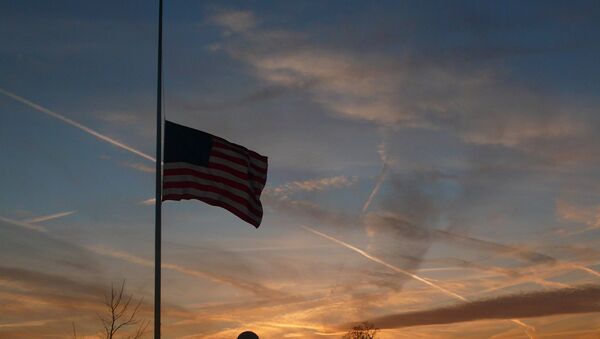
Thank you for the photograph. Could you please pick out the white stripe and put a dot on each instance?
(256, 185)
(190, 178)
(241, 149)
(214, 196)
(215, 159)
(260, 164)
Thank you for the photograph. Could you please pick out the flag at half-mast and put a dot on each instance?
(201, 166)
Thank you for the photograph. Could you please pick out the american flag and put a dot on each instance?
(201, 166)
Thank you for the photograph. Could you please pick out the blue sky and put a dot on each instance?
(452, 141)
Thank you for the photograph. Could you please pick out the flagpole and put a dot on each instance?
(158, 197)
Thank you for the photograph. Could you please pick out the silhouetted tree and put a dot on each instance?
(122, 313)
(364, 330)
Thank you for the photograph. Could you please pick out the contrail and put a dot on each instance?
(381, 150)
(23, 224)
(586, 269)
(380, 180)
(49, 217)
(381, 262)
(76, 124)
(528, 329)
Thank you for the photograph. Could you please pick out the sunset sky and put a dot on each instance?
(434, 167)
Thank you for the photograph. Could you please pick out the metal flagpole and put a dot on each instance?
(158, 197)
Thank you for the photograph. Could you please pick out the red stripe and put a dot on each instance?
(217, 203)
(228, 182)
(242, 162)
(207, 188)
(241, 175)
(222, 143)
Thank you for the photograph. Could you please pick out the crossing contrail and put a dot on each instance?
(381, 150)
(380, 179)
(74, 123)
(23, 224)
(529, 330)
(386, 264)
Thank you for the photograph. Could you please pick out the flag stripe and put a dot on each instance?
(183, 168)
(240, 168)
(259, 164)
(212, 199)
(185, 174)
(224, 166)
(240, 161)
(241, 191)
(210, 188)
(222, 143)
(214, 202)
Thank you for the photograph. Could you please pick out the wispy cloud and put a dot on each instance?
(588, 215)
(76, 124)
(307, 209)
(237, 21)
(25, 323)
(319, 184)
(148, 202)
(403, 227)
(252, 287)
(476, 102)
(139, 166)
(44, 281)
(31, 241)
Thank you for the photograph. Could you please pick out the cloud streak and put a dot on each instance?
(31, 244)
(535, 304)
(319, 184)
(409, 230)
(580, 214)
(42, 281)
(25, 324)
(215, 277)
(148, 202)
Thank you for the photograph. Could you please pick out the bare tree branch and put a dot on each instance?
(122, 313)
(142, 329)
